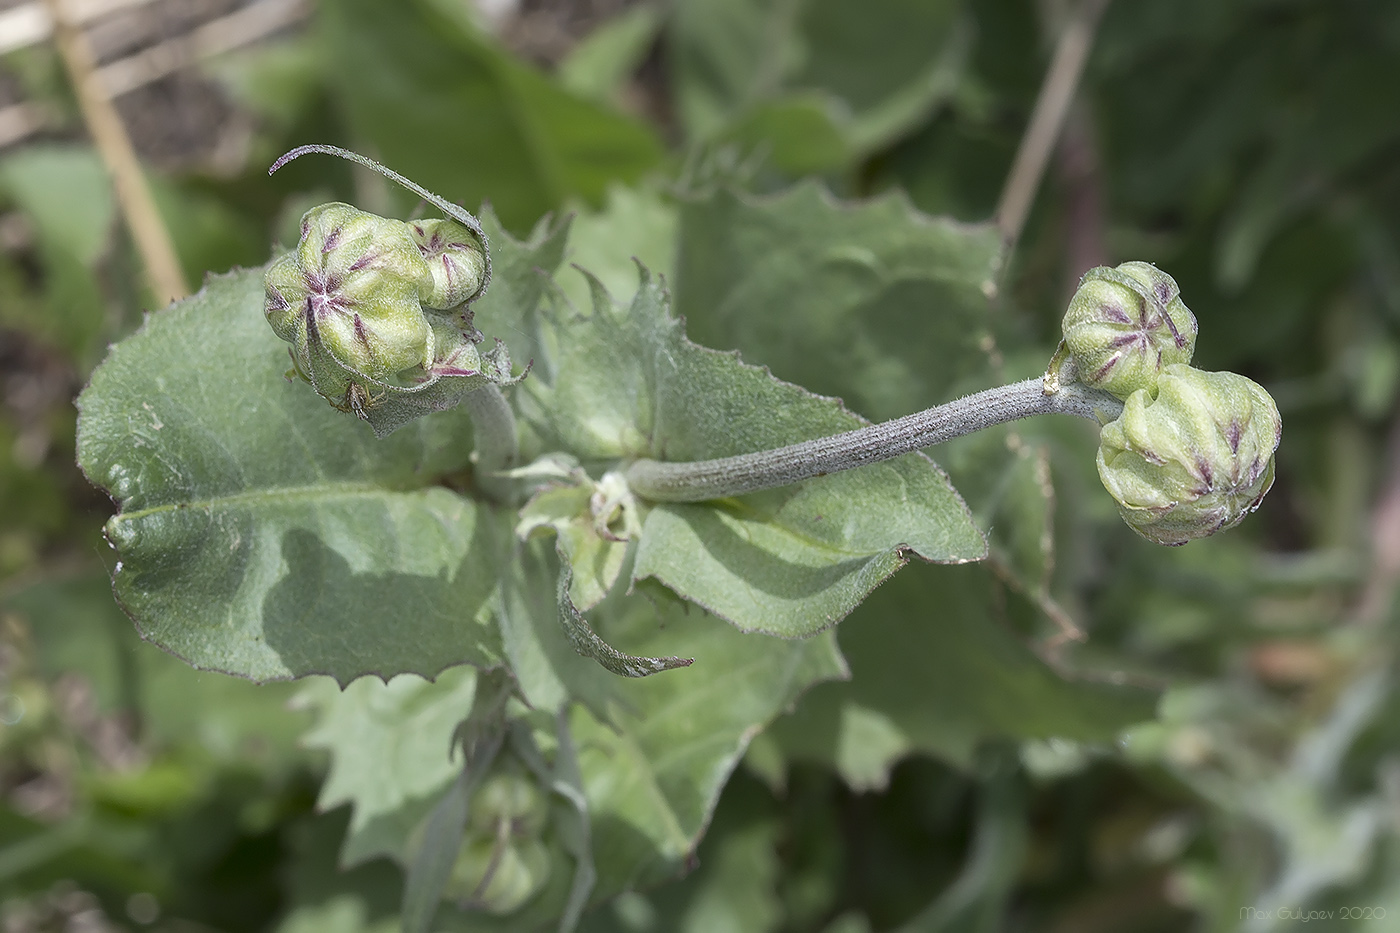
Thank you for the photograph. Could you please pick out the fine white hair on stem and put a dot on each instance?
(451, 210)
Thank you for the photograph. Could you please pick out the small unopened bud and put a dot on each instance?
(1124, 325)
(503, 861)
(456, 262)
(347, 300)
(1193, 461)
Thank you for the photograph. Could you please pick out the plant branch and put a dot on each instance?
(109, 135)
(497, 447)
(732, 476)
(1051, 106)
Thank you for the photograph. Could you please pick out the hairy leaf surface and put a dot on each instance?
(788, 562)
(262, 533)
(892, 303)
(652, 777)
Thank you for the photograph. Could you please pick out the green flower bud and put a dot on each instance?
(511, 797)
(457, 344)
(498, 877)
(456, 261)
(347, 300)
(1196, 459)
(1124, 325)
(503, 862)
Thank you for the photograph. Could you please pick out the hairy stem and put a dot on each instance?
(497, 448)
(732, 476)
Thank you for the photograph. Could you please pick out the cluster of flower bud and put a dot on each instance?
(367, 302)
(1192, 452)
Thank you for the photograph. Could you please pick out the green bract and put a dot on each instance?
(1125, 324)
(1195, 460)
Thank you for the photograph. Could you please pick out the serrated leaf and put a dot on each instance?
(635, 225)
(653, 782)
(789, 562)
(449, 108)
(519, 278)
(390, 746)
(651, 776)
(262, 533)
(932, 659)
(873, 302)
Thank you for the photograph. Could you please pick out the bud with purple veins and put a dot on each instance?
(457, 264)
(1124, 325)
(348, 301)
(1193, 461)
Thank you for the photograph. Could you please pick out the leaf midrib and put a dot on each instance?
(316, 491)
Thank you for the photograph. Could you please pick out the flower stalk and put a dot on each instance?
(732, 476)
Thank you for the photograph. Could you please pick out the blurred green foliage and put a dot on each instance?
(1220, 749)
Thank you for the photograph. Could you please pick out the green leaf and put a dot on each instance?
(520, 271)
(432, 866)
(587, 643)
(1005, 475)
(447, 107)
(66, 196)
(573, 822)
(936, 670)
(653, 781)
(598, 66)
(389, 746)
(596, 560)
(263, 534)
(652, 771)
(788, 562)
(636, 225)
(772, 73)
(873, 302)
(438, 841)
(548, 668)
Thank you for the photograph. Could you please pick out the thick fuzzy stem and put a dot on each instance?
(497, 446)
(768, 469)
